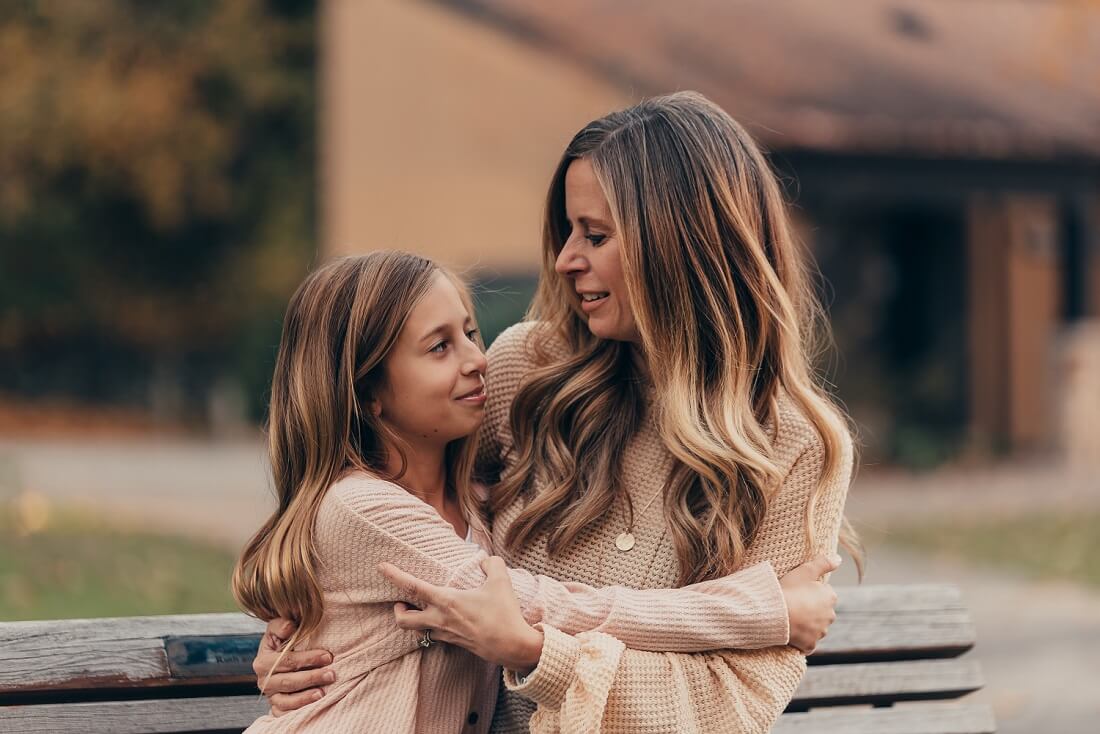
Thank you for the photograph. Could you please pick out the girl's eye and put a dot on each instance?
(471, 334)
(595, 239)
(438, 348)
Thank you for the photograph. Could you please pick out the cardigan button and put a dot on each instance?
(472, 718)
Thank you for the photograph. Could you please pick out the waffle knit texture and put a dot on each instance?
(602, 682)
(385, 682)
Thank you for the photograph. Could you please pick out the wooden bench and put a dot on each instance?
(192, 673)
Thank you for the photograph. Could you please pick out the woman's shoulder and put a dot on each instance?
(798, 438)
(521, 345)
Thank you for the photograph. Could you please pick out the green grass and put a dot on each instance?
(1044, 546)
(74, 565)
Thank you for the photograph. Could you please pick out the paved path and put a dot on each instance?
(217, 491)
(1039, 643)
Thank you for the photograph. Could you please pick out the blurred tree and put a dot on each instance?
(156, 191)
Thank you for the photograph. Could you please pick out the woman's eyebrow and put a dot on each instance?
(589, 221)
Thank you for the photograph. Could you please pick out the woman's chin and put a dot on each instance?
(601, 329)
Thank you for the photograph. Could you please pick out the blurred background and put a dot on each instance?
(169, 172)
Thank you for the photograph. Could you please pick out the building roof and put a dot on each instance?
(995, 79)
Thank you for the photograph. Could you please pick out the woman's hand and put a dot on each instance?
(299, 676)
(811, 602)
(487, 621)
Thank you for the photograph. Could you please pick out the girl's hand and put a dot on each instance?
(487, 621)
(811, 602)
(299, 676)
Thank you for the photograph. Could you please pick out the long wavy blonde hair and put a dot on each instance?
(722, 296)
(340, 326)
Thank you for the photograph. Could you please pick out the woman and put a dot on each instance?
(666, 364)
(378, 386)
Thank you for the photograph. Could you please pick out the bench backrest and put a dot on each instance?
(192, 673)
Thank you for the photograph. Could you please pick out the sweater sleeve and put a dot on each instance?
(745, 610)
(595, 682)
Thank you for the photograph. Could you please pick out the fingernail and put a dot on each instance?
(328, 658)
(316, 696)
(329, 677)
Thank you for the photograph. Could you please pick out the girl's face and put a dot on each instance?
(591, 257)
(434, 389)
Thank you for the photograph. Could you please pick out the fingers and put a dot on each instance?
(284, 703)
(818, 566)
(414, 589)
(304, 660)
(494, 566)
(300, 682)
(496, 570)
(281, 628)
(824, 564)
(409, 618)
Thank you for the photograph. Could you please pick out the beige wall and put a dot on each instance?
(439, 134)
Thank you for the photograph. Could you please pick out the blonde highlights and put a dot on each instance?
(723, 300)
(340, 325)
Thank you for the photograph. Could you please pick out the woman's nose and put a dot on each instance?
(570, 262)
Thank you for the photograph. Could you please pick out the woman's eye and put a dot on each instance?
(439, 347)
(595, 239)
(471, 334)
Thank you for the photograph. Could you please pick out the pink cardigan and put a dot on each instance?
(385, 682)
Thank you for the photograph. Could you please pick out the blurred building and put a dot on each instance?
(944, 158)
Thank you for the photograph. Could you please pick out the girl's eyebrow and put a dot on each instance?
(442, 329)
(437, 331)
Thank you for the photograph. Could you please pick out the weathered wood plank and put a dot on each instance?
(879, 683)
(161, 716)
(209, 658)
(896, 623)
(169, 716)
(931, 718)
(873, 623)
(101, 653)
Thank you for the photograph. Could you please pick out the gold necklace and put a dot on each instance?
(625, 539)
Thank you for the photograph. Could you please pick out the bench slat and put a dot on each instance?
(160, 716)
(894, 622)
(883, 683)
(123, 652)
(169, 716)
(931, 718)
(873, 623)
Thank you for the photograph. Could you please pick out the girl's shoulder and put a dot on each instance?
(360, 496)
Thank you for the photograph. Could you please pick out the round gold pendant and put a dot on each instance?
(625, 541)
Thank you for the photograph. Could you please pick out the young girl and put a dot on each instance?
(378, 387)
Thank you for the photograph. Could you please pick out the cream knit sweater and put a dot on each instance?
(386, 683)
(603, 682)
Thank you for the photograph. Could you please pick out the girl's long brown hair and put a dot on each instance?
(340, 325)
(721, 293)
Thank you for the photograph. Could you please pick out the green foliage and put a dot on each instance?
(78, 566)
(1043, 545)
(501, 302)
(156, 185)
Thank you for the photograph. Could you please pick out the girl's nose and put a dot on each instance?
(474, 360)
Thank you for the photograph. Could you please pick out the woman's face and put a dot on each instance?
(591, 257)
(434, 389)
